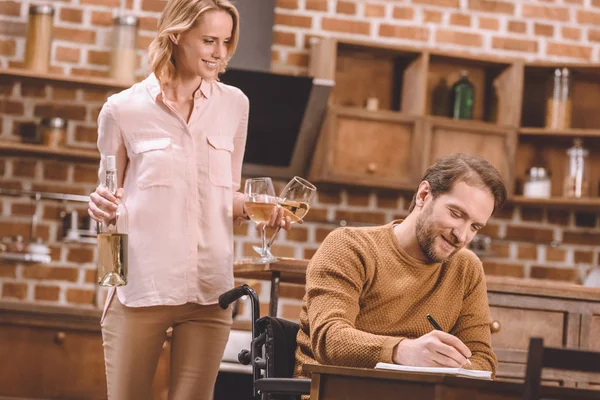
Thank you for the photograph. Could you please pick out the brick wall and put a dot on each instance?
(523, 236)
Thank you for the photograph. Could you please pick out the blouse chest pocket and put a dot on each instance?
(219, 160)
(154, 158)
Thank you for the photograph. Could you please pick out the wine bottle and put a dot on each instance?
(462, 98)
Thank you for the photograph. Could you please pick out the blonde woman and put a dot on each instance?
(179, 138)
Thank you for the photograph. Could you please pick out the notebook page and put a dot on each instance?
(477, 374)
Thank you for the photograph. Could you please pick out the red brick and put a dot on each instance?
(309, 253)
(6, 87)
(71, 15)
(91, 276)
(297, 234)
(11, 107)
(143, 42)
(569, 50)
(360, 217)
(98, 57)
(14, 290)
(89, 72)
(80, 255)
(583, 257)
(515, 44)
(432, 16)
(596, 3)
(500, 250)
(558, 217)
(322, 233)
(527, 252)
(581, 237)
(588, 17)
(403, 13)
(490, 24)
(529, 233)
(64, 93)
(27, 209)
(297, 59)
(505, 212)
(24, 168)
(289, 4)
(69, 112)
(291, 312)
(80, 296)
(85, 174)
(374, 10)
(153, 5)
(8, 47)
(104, 3)
(10, 8)
(317, 5)
(404, 32)
(291, 291)
(284, 38)
(504, 269)
(345, 26)
(13, 29)
(148, 23)
(47, 293)
(74, 35)
(543, 30)
(68, 54)
(328, 197)
(56, 171)
(516, 26)
(101, 18)
(555, 274)
(555, 255)
(358, 198)
(240, 230)
(440, 3)
(86, 134)
(459, 38)
(544, 12)
(532, 214)
(346, 7)
(34, 89)
(316, 215)
(8, 271)
(460, 20)
(41, 272)
(298, 21)
(593, 35)
(492, 6)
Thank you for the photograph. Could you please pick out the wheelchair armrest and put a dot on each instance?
(283, 385)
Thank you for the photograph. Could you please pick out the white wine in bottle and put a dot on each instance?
(112, 238)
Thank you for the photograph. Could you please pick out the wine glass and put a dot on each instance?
(259, 202)
(295, 199)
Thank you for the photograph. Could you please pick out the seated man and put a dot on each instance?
(369, 290)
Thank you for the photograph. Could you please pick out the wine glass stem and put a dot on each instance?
(263, 237)
(273, 237)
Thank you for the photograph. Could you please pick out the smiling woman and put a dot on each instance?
(178, 138)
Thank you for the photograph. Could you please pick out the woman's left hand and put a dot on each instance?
(277, 219)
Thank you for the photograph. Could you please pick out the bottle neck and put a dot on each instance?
(111, 181)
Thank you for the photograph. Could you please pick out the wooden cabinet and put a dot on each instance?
(362, 147)
(563, 315)
(56, 353)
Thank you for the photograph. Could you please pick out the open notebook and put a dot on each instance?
(467, 373)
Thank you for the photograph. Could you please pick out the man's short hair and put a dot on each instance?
(460, 167)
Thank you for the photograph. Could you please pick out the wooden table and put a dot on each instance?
(288, 270)
(342, 383)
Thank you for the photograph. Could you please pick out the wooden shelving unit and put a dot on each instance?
(78, 80)
(558, 202)
(45, 151)
(559, 132)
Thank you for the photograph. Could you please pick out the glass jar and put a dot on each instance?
(39, 38)
(538, 184)
(123, 58)
(576, 182)
(53, 131)
(558, 101)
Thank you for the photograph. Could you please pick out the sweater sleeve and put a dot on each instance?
(336, 276)
(473, 324)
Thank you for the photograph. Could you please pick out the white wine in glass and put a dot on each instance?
(295, 199)
(259, 203)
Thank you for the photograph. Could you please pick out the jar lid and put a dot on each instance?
(55, 122)
(127, 20)
(41, 9)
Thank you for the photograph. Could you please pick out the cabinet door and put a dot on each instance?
(368, 148)
(495, 144)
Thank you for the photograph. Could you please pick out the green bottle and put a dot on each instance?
(462, 97)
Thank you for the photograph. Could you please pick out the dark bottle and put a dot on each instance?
(462, 97)
(441, 98)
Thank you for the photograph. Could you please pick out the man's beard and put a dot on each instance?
(426, 239)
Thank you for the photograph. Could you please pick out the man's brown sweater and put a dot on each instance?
(364, 294)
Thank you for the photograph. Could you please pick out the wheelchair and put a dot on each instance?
(272, 371)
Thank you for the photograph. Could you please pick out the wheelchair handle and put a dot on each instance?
(232, 295)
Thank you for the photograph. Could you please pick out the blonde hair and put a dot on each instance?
(177, 17)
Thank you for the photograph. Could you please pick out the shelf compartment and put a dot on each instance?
(585, 94)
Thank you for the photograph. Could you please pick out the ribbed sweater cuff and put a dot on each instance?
(387, 349)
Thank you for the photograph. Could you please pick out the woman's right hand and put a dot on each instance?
(103, 204)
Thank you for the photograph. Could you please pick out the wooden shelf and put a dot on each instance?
(80, 80)
(556, 202)
(559, 132)
(44, 151)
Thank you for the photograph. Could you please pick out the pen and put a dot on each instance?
(439, 328)
(434, 323)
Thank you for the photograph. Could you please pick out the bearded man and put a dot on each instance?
(369, 290)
